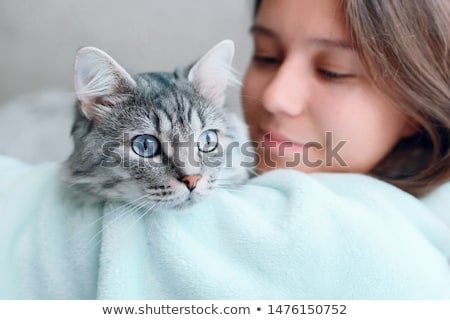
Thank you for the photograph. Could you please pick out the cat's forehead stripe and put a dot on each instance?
(161, 80)
(195, 120)
(180, 104)
(189, 114)
(202, 117)
(156, 122)
(166, 124)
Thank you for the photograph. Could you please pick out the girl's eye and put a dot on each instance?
(333, 75)
(208, 141)
(266, 59)
(146, 146)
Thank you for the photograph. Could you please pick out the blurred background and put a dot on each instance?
(39, 40)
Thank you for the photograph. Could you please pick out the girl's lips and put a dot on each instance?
(278, 144)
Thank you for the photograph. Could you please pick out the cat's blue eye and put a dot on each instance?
(146, 146)
(208, 141)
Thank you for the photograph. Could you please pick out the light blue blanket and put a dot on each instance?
(283, 235)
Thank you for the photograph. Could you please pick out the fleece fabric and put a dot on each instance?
(282, 235)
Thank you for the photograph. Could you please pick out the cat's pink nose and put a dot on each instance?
(191, 181)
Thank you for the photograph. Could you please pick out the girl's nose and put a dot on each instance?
(287, 92)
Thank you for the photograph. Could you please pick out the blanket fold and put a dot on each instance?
(283, 235)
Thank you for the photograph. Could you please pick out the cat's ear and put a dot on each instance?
(100, 82)
(212, 73)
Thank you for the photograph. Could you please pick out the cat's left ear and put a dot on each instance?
(212, 73)
(100, 82)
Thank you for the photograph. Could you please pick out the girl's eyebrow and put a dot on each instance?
(257, 29)
(331, 43)
(319, 42)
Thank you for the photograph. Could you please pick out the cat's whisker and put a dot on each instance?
(130, 207)
(101, 217)
(232, 190)
(251, 97)
(137, 200)
(130, 211)
(97, 235)
(228, 186)
(139, 218)
(85, 228)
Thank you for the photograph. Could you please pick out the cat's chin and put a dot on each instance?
(182, 203)
(188, 203)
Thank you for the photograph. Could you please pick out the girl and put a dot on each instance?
(353, 86)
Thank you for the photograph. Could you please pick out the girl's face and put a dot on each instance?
(307, 98)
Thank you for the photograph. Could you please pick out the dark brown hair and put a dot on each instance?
(404, 45)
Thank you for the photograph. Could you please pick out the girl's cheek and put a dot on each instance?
(252, 90)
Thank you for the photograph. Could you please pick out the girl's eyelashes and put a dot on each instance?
(330, 75)
(269, 60)
(274, 61)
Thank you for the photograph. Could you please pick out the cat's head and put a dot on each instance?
(155, 139)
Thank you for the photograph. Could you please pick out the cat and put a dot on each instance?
(163, 139)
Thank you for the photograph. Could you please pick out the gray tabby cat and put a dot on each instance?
(164, 139)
